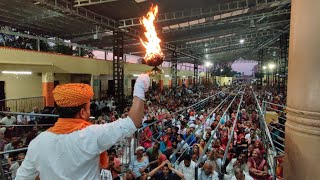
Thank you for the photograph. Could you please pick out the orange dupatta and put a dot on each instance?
(69, 125)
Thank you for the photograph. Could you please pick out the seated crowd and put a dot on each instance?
(177, 141)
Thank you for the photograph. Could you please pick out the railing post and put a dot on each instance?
(274, 167)
(1, 173)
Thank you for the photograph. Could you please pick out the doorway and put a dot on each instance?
(133, 81)
(2, 96)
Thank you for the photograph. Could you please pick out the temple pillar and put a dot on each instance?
(47, 88)
(302, 138)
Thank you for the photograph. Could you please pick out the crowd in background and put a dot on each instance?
(173, 137)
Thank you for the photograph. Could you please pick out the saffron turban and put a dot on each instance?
(72, 95)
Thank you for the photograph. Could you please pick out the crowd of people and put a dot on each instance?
(181, 138)
(246, 156)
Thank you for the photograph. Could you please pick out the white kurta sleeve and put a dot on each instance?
(98, 138)
(28, 170)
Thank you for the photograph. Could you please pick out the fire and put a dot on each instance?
(152, 45)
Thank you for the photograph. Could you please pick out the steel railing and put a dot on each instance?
(192, 134)
(215, 130)
(26, 104)
(231, 135)
(266, 138)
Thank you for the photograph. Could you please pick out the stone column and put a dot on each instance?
(47, 88)
(302, 138)
(161, 81)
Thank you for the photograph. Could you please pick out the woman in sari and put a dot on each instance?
(258, 166)
(146, 140)
(201, 145)
(165, 143)
(258, 145)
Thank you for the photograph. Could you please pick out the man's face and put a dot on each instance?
(187, 163)
(241, 158)
(188, 131)
(35, 128)
(207, 136)
(165, 170)
(14, 139)
(169, 131)
(140, 153)
(239, 176)
(156, 147)
(207, 169)
(179, 138)
(112, 155)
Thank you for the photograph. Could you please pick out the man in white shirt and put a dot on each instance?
(33, 119)
(8, 120)
(208, 172)
(240, 175)
(73, 148)
(187, 168)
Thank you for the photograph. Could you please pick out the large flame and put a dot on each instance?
(152, 45)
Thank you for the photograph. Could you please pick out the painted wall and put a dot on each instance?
(67, 69)
(22, 85)
(63, 78)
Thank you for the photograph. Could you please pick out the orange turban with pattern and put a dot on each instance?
(72, 95)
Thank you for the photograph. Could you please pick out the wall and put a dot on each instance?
(22, 85)
(68, 69)
(63, 78)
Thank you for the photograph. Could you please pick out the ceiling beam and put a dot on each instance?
(202, 12)
(214, 22)
(216, 41)
(80, 3)
(67, 8)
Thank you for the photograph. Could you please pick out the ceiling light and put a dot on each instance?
(271, 66)
(207, 64)
(166, 75)
(140, 1)
(241, 41)
(17, 72)
(264, 67)
(135, 75)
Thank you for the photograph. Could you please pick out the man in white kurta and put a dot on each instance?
(76, 155)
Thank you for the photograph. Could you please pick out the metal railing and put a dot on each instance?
(123, 148)
(231, 135)
(215, 130)
(25, 104)
(266, 138)
(192, 134)
(217, 108)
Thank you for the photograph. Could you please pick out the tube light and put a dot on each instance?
(17, 72)
(135, 75)
(166, 75)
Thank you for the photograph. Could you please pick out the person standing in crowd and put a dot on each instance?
(71, 148)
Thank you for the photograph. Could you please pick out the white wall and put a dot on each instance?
(21, 86)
